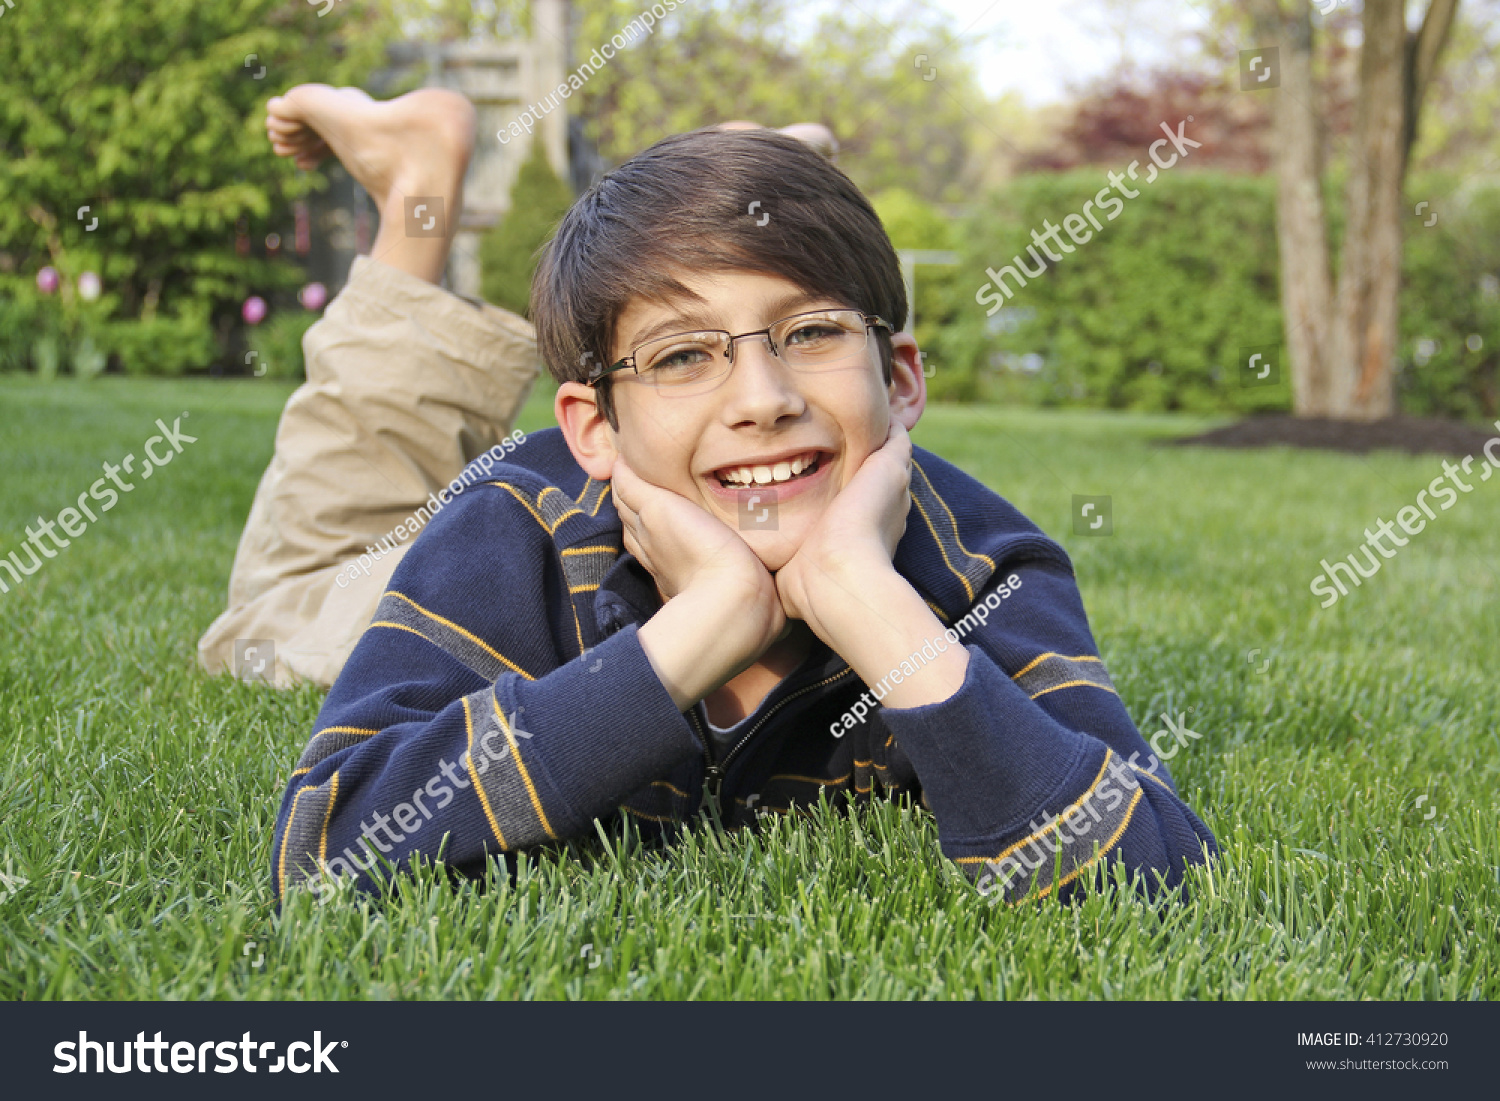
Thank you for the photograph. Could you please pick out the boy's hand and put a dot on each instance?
(722, 610)
(679, 542)
(842, 584)
(854, 540)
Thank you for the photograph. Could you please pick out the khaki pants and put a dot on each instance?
(406, 384)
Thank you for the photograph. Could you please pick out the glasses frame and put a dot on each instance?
(871, 321)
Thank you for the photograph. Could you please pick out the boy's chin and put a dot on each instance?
(773, 548)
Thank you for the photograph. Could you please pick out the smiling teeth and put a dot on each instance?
(767, 475)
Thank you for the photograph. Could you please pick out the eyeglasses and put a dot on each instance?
(691, 363)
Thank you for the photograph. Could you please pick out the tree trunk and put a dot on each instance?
(1301, 222)
(1422, 61)
(1341, 351)
(1364, 326)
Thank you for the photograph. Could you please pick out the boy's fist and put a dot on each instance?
(854, 540)
(686, 549)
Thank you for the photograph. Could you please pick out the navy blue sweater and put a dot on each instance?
(500, 699)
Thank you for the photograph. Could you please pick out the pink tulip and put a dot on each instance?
(254, 310)
(313, 296)
(47, 280)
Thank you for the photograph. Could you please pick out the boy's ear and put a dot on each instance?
(588, 433)
(908, 388)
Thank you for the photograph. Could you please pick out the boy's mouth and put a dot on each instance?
(748, 475)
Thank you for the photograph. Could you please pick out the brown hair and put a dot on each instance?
(684, 205)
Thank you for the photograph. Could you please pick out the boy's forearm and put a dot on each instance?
(878, 623)
(697, 641)
(502, 768)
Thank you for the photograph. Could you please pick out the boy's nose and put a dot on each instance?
(761, 386)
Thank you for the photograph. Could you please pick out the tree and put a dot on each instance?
(507, 253)
(1341, 343)
(896, 87)
(1121, 114)
(1458, 116)
(149, 113)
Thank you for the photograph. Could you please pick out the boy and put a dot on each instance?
(727, 575)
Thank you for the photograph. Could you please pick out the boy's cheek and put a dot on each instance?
(668, 473)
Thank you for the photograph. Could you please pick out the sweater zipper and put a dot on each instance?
(715, 773)
(717, 769)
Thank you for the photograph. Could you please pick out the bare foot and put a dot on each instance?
(417, 145)
(423, 138)
(814, 134)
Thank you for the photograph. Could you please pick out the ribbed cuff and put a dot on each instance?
(603, 725)
(987, 757)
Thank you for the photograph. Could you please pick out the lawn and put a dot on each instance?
(137, 795)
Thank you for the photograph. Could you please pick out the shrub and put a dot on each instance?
(275, 346)
(507, 253)
(1148, 314)
(50, 333)
(913, 223)
(1449, 356)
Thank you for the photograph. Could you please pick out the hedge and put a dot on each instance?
(1153, 310)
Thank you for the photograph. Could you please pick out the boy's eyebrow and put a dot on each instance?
(693, 321)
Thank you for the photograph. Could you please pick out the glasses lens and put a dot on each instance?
(683, 361)
(812, 340)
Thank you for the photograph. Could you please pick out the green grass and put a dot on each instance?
(137, 795)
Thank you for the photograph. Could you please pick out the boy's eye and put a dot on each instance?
(682, 359)
(810, 335)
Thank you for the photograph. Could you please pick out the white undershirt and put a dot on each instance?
(723, 737)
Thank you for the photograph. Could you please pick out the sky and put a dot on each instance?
(1037, 47)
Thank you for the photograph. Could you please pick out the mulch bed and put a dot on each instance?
(1414, 435)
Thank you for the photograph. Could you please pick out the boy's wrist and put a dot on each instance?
(884, 629)
(702, 637)
(841, 598)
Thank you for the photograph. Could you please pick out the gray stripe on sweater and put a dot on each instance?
(304, 833)
(495, 768)
(1059, 847)
(393, 609)
(326, 744)
(1054, 671)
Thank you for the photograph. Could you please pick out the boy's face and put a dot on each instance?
(762, 414)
